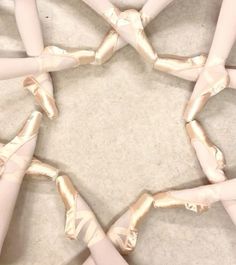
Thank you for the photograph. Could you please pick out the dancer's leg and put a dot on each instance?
(15, 159)
(208, 194)
(30, 30)
(100, 6)
(81, 220)
(28, 23)
(225, 33)
(214, 77)
(15, 67)
(152, 8)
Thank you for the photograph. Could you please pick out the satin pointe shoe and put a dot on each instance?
(129, 25)
(107, 48)
(125, 239)
(45, 100)
(79, 221)
(40, 170)
(12, 154)
(210, 156)
(55, 59)
(180, 66)
(216, 81)
(167, 200)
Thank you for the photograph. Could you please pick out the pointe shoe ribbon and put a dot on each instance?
(117, 234)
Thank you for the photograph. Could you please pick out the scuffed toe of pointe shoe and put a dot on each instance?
(32, 125)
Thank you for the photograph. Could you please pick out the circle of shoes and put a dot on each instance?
(81, 221)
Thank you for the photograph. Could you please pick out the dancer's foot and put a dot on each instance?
(56, 59)
(79, 217)
(212, 80)
(42, 89)
(171, 200)
(124, 232)
(184, 67)
(209, 155)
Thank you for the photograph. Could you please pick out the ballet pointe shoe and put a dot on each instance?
(125, 239)
(40, 170)
(212, 160)
(42, 97)
(77, 221)
(27, 133)
(177, 65)
(129, 23)
(107, 48)
(60, 59)
(167, 200)
(216, 82)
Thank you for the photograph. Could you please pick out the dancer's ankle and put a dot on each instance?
(145, 18)
(214, 61)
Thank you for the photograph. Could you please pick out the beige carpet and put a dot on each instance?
(120, 131)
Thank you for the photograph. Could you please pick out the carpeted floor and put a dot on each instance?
(120, 132)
